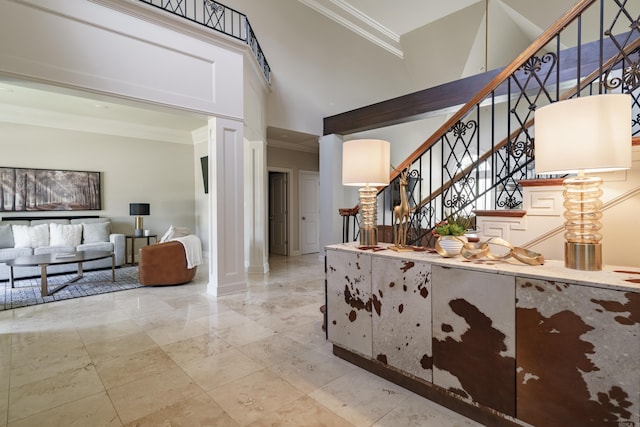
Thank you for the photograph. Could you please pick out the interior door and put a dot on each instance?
(278, 213)
(309, 209)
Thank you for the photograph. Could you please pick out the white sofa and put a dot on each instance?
(41, 236)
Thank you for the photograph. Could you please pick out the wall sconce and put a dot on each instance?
(139, 209)
(583, 135)
(366, 163)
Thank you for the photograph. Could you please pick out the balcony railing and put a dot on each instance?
(217, 17)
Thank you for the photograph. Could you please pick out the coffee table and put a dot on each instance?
(44, 260)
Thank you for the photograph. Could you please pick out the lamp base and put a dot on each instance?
(368, 236)
(583, 256)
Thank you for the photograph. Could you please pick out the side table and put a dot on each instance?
(132, 238)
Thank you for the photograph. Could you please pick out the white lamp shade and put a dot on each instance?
(590, 133)
(366, 162)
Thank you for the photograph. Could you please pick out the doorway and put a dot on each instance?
(309, 209)
(278, 213)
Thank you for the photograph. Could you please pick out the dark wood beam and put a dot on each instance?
(407, 107)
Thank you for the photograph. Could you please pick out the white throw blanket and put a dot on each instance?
(192, 249)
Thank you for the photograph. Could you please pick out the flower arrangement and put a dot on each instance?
(453, 225)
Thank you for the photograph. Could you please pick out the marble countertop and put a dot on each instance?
(621, 278)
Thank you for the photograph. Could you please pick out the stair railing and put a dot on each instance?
(476, 158)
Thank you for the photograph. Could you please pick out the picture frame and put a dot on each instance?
(34, 190)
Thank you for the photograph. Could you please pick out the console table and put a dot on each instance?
(501, 342)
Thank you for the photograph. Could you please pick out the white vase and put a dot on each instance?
(450, 246)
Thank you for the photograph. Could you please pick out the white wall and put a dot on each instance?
(133, 170)
(84, 45)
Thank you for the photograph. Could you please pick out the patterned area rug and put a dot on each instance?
(27, 291)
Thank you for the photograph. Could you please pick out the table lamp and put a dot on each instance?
(139, 209)
(585, 134)
(366, 163)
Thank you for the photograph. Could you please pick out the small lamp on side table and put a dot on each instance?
(139, 210)
(585, 134)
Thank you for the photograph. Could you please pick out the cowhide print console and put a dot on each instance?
(498, 341)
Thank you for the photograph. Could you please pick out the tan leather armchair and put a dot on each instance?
(164, 264)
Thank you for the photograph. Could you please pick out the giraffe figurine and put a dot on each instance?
(401, 214)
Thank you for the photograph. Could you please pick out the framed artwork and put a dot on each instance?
(28, 190)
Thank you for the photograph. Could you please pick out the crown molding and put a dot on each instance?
(361, 24)
(294, 146)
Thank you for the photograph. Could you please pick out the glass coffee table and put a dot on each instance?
(45, 260)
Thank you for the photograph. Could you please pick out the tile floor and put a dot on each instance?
(174, 356)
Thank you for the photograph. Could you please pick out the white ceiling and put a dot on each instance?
(383, 22)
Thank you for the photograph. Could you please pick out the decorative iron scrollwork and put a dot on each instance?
(460, 128)
(630, 71)
(215, 7)
(520, 148)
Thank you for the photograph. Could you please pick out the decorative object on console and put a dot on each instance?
(365, 163)
(49, 190)
(478, 250)
(401, 216)
(585, 134)
(450, 234)
(139, 210)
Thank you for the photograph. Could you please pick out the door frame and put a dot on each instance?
(289, 173)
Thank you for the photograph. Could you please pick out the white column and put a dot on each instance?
(256, 178)
(226, 204)
(331, 190)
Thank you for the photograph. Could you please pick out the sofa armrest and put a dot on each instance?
(119, 247)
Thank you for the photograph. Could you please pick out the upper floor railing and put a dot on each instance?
(220, 18)
(475, 160)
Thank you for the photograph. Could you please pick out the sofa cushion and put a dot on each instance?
(6, 236)
(65, 234)
(25, 236)
(95, 232)
(53, 250)
(96, 246)
(10, 253)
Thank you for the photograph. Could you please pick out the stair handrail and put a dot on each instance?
(546, 37)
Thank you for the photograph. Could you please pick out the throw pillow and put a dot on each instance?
(25, 236)
(96, 232)
(65, 234)
(174, 232)
(6, 236)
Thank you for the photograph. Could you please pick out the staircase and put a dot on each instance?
(477, 161)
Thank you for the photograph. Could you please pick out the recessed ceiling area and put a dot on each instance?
(40, 104)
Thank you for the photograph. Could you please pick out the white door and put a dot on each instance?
(309, 209)
(278, 213)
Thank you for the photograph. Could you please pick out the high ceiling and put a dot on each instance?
(383, 22)
(380, 22)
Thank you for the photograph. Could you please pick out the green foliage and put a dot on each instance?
(453, 225)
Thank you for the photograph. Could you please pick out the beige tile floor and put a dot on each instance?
(174, 356)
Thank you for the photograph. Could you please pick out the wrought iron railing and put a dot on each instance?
(475, 160)
(220, 18)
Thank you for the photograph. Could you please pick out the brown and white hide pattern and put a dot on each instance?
(349, 300)
(401, 301)
(578, 355)
(474, 336)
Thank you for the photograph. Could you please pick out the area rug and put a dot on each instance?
(27, 291)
